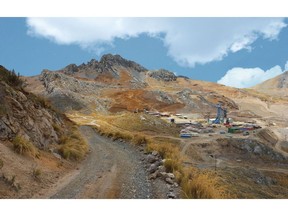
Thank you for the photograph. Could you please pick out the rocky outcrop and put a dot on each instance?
(157, 171)
(108, 64)
(253, 149)
(283, 80)
(163, 75)
(201, 100)
(68, 93)
(25, 115)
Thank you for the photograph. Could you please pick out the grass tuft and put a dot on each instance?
(23, 146)
(74, 146)
(202, 185)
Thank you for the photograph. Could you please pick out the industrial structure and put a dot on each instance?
(221, 115)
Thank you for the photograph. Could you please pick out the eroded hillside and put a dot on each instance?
(33, 139)
(127, 102)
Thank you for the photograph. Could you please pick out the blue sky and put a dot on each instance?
(240, 52)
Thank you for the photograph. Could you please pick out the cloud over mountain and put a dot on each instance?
(248, 77)
(188, 40)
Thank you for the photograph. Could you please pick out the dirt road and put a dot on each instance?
(111, 170)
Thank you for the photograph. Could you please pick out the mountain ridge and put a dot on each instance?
(275, 86)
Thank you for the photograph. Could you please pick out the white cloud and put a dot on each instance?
(188, 40)
(248, 77)
(286, 66)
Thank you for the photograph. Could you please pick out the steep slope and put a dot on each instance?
(32, 137)
(23, 114)
(111, 70)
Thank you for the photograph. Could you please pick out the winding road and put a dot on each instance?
(111, 170)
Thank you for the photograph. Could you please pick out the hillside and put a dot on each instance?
(114, 84)
(276, 86)
(134, 106)
(33, 139)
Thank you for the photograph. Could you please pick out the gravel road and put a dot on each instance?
(111, 170)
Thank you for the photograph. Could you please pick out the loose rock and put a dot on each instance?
(169, 181)
(151, 158)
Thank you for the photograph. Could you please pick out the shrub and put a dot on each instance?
(36, 173)
(139, 139)
(172, 165)
(74, 147)
(202, 185)
(22, 146)
(57, 127)
(11, 182)
(10, 77)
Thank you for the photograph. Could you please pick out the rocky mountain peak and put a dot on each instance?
(163, 75)
(117, 60)
(108, 64)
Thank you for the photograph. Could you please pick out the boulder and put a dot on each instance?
(169, 181)
(170, 175)
(155, 153)
(171, 195)
(152, 168)
(151, 158)
(153, 175)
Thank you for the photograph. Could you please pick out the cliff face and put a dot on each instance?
(23, 114)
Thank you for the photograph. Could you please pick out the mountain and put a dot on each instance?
(114, 95)
(276, 86)
(115, 84)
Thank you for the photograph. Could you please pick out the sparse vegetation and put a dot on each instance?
(202, 185)
(36, 173)
(57, 128)
(11, 182)
(194, 183)
(23, 146)
(10, 77)
(73, 146)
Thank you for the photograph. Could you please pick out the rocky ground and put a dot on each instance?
(115, 169)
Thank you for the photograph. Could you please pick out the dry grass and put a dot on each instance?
(11, 182)
(170, 152)
(73, 146)
(130, 127)
(57, 128)
(202, 185)
(23, 146)
(138, 122)
(36, 173)
(264, 97)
